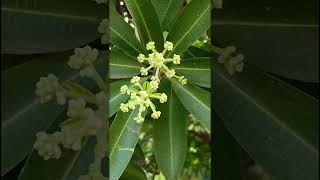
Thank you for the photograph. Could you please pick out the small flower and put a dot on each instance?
(124, 107)
(139, 119)
(48, 87)
(143, 94)
(76, 107)
(154, 85)
(176, 59)
(170, 73)
(163, 98)
(150, 46)
(124, 89)
(83, 57)
(168, 45)
(143, 71)
(135, 80)
(182, 80)
(156, 114)
(141, 58)
(104, 29)
(155, 78)
(48, 145)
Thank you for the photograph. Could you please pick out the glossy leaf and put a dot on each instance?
(124, 135)
(146, 21)
(123, 36)
(189, 26)
(196, 100)
(167, 11)
(123, 66)
(133, 171)
(170, 133)
(196, 70)
(290, 35)
(277, 124)
(22, 114)
(42, 26)
(193, 52)
(116, 98)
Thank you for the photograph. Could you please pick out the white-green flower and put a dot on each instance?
(157, 61)
(47, 145)
(135, 80)
(83, 57)
(168, 46)
(163, 98)
(48, 87)
(150, 46)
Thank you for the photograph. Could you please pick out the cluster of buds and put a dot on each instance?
(142, 97)
(157, 62)
(104, 30)
(48, 87)
(232, 61)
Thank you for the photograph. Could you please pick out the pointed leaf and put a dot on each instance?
(170, 133)
(167, 11)
(133, 171)
(190, 25)
(146, 21)
(122, 35)
(196, 100)
(196, 70)
(41, 26)
(277, 124)
(116, 97)
(124, 135)
(123, 66)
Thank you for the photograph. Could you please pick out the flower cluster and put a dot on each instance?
(86, 113)
(232, 61)
(142, 97)
(157, 62)
(104, 30)
(48, 87)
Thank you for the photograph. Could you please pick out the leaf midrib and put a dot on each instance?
(170, 132)
(194, 97)
(143, 20)
(124, 39)
(123, 65)
(188, 31)
(118, 139)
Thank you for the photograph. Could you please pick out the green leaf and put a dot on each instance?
(42, 26)
(133, 171)
(124, 135)
(123, 66)
(123, 36)
(22, 114)
(116, 97)
(196, 70)
(196, 100)
(226, 159)
(193, 52)
(290, 40)
(170, 133)
(277, 124)
(146, 21)
(189, 26)
(167, 11)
